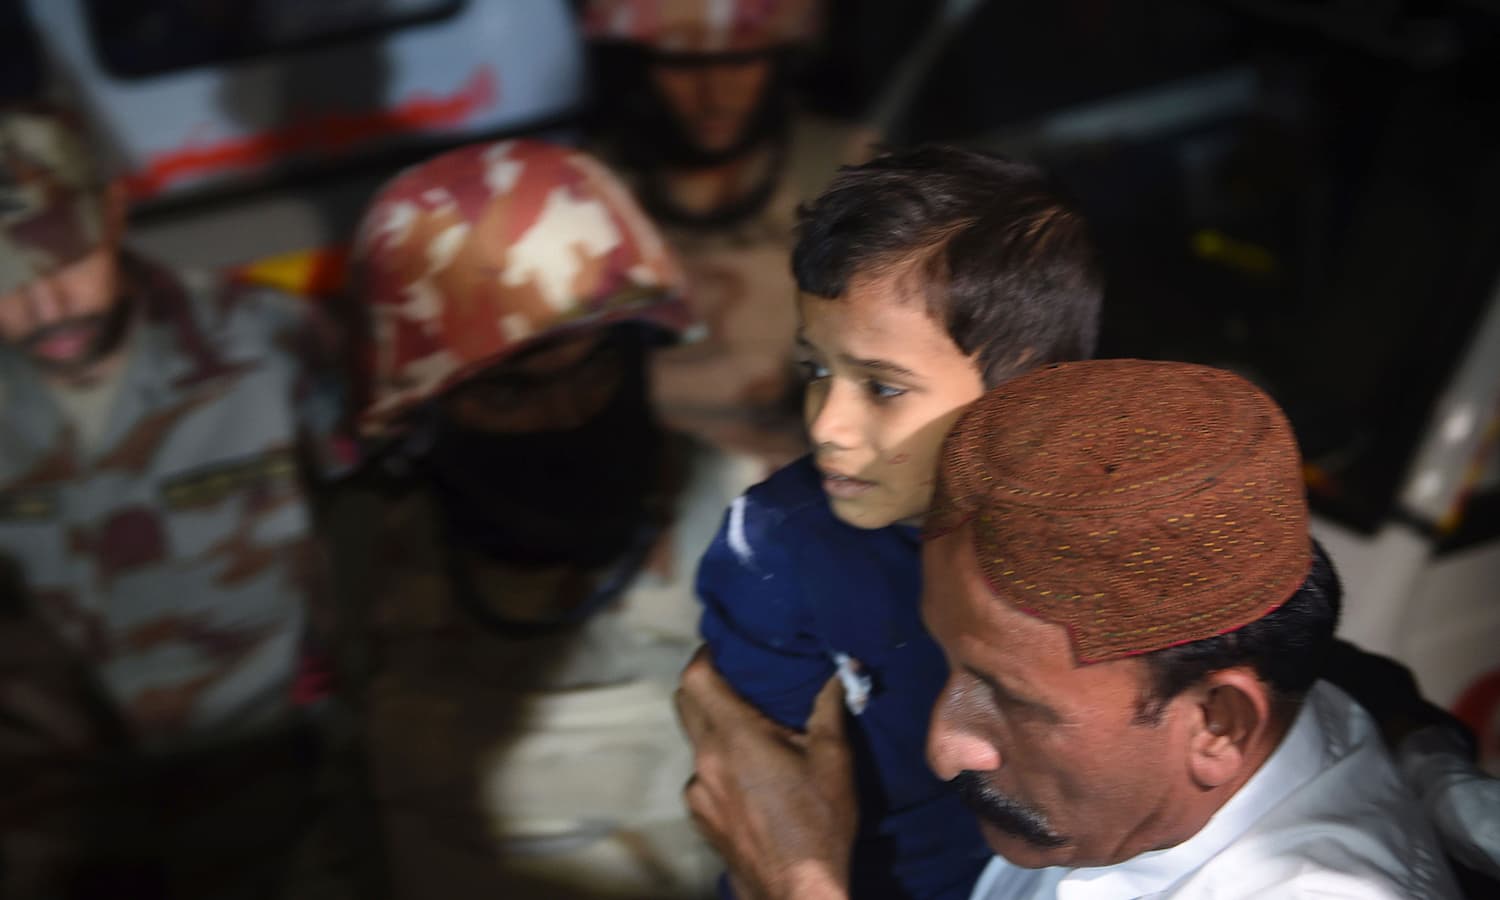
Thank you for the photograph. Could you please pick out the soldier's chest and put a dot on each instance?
(172, 478)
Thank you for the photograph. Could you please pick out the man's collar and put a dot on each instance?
(1298, 758)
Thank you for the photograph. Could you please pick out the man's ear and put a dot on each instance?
(1231, 717)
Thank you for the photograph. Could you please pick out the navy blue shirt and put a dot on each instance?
(785, 585)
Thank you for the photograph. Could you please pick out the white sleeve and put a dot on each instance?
(1462, 801)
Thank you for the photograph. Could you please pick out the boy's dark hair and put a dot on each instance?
(1288, 647)
(1003, 259)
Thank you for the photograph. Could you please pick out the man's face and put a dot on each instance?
(714, 101)
(1051, 755)
(62, 320)
(884, 385)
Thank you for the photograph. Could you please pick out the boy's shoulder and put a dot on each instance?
(789, 514)
(793, 493)
(774, 523)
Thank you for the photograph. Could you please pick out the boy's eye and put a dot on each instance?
(883, 391)
(812, 371)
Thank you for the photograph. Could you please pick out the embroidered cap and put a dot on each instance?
(1138, 504)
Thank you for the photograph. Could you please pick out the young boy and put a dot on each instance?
(926, 276)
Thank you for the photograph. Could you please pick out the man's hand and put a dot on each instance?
(779, 806)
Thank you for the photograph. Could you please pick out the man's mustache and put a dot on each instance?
(1006, 813)
(96, 321)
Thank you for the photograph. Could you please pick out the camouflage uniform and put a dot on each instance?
(173, 557)
(511, 766)
(177, 557)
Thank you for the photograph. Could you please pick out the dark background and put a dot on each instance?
(1324, 223)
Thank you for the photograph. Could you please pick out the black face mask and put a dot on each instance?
(575, 496)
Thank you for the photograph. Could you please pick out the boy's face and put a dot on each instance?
(885, 382)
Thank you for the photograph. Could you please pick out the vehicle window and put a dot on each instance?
(137, 38)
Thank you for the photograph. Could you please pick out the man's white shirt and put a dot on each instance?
(1326, 816)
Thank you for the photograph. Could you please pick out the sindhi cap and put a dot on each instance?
(1138, 504)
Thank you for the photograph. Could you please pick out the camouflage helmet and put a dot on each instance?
(471, 256)
(702, 26)
(51, 196)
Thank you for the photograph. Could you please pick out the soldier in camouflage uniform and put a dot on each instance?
(524, 628)
(698, 113)
(159, 545)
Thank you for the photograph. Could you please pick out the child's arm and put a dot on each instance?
(755, 619)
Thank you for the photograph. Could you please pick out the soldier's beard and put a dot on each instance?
(108, 330)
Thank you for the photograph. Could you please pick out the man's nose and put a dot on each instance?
(952, 745)
(45, 302)
(835, 420)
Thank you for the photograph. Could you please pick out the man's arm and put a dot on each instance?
(778, 805)
(1434, 751)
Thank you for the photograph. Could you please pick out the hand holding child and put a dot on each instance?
(778, 805)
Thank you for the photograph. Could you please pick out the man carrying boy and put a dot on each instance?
(926, 276)
(1119, 574)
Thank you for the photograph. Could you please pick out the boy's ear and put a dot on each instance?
(1231, 713)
